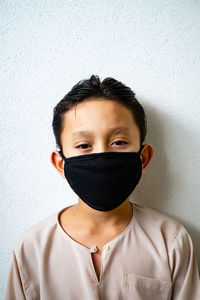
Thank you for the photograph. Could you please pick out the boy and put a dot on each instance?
(104, 247)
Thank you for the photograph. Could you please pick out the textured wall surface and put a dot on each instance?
(48, 46)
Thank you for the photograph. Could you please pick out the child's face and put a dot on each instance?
(90, 129)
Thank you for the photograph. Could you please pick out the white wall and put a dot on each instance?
(48, 46)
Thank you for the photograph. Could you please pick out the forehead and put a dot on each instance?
(98, 115)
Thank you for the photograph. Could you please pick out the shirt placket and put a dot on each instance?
(105, 251)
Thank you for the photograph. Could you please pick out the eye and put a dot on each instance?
(118, 142)
(82, 145)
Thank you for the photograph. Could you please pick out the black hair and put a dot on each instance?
(110, 89)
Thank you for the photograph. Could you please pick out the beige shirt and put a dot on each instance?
(151, 259)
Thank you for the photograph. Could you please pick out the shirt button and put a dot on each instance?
(93, 249)
(106, 247)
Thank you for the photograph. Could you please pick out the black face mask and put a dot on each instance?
(103, 180)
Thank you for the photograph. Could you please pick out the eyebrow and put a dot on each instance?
(114, 130)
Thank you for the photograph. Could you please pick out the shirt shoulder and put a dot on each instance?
(157, 225)
(37, 235)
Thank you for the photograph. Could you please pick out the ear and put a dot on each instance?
(146, 156)
(57, 162)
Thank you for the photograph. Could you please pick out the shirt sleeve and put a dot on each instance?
(184, 268)
(17, 288)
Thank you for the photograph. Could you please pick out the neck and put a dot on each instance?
(94, 220)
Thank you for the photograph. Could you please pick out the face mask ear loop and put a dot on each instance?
(142, 146)
(62, 155)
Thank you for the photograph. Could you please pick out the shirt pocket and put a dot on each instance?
(145, 288)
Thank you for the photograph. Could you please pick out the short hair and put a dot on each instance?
(109, 88)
